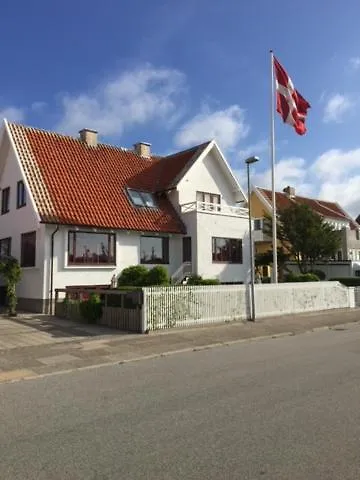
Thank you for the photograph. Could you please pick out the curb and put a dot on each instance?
(27, 376)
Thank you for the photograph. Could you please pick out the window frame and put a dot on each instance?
(5, 192)
(2, 240)
(165, 246)
(142, 194)
(23, 262)
(20, 194)
(230, 259)
(92, 264)
(258, 224)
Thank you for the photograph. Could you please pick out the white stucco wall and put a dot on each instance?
(18, 221)
(206, 175)
(127, 254)
(331, 269)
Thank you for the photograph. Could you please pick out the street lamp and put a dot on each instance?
(248, 162)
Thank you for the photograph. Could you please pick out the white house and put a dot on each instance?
(76, 212)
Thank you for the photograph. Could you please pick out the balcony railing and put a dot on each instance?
(215, 208)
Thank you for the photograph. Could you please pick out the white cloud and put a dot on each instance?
(133, 97)
(337, 163)
(335, 108)
(288, 171)
(38, 106)
(338, 172)
(253, 149)
(13, 114)
(226, 126)
(355, 63)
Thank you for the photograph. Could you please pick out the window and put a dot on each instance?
(357, 273)
(90, 248)
(21, 194)
(5, 247)
(5, 200)
(208, 201)
(28, 249)
(258, 224)
(357, 234)
(227, 250)
(141, 199)
(154, 250)
(339, 255)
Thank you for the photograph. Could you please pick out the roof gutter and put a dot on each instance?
(52, 268)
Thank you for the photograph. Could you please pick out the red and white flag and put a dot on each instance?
(290, 104)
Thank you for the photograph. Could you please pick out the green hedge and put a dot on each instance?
(198, 280)
(303, 277)
(140, 276)
(348, 281)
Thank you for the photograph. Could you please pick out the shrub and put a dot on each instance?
(303, 277)
(319, 273)
(135, 276)
(157, 276)
(348, 281)
(91, 309)
(266, 280)
(198, 280)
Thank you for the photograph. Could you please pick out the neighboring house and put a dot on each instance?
(261, 205)
(77, 212)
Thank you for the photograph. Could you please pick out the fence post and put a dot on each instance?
(143, 324)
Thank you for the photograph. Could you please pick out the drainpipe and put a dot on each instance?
(52, 268)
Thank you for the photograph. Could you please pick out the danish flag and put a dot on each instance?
(290, 104)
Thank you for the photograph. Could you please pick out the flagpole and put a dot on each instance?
(272, 154)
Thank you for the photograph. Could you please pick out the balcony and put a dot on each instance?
(258, 232)
(215, 209)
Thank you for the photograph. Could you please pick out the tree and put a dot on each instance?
(305, 236)
(11, 271)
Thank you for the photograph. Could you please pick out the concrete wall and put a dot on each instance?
(184, 306)
(331, 269)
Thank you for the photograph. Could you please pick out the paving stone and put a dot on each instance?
(56, 359)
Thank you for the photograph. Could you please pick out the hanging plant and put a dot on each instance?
(11, 272)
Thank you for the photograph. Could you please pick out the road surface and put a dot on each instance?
(286, 408)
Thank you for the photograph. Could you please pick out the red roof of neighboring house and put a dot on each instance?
(76, 184)
(322, 207)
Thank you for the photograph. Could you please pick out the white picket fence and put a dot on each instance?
(181, 306)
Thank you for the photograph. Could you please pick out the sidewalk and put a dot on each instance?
(81, 346)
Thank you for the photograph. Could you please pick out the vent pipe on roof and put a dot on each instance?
(143, 149)
(89, 137)
(290, 191)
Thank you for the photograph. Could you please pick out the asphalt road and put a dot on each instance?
(286, 408)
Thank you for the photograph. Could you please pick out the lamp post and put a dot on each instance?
(248, 162)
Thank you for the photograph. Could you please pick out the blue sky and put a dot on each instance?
(176, 73)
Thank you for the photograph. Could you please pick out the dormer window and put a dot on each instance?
(141, 199)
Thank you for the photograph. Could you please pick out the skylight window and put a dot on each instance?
(142, 199)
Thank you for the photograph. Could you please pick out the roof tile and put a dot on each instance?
(322, 207)
(76, 184)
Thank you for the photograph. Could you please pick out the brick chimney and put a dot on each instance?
(289, 191)
(143, 149)
(89, 137)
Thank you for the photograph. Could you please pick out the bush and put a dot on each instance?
(303, 277)
(198, 280)
(319, 273)
(347, 281)
(135, 276)
(266, 280)
(91, 309)
(157, 276)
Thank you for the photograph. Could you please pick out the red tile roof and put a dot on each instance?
(76, 184)
(322, 207)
